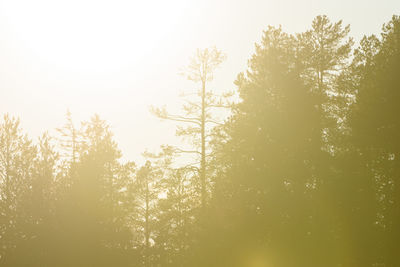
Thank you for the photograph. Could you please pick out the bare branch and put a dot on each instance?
(178, 150)
(215, 122)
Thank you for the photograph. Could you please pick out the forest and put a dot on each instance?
(302, 171)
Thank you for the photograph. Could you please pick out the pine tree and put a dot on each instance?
(17, 156)
(198, 112)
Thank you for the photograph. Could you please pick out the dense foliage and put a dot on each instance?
(304, 172)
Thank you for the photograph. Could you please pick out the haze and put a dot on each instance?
(116, 58)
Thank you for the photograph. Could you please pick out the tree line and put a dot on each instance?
(303, 172)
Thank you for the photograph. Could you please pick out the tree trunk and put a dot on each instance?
(203, 145)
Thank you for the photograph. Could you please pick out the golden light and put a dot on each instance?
(92, 35)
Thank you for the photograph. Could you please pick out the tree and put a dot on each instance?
(91, 211)
(197, 112)
(70, 140)
(271, 169)
(37, 207)
(375, 126)
(17, 156)
(147, 195)
(278, 150)
(325, 55)
(177, 209)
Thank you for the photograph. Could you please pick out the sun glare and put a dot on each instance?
(90, 35)
(171, 133)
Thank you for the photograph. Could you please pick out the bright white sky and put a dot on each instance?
(116, 58)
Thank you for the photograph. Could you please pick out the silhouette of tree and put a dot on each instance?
(197, 112)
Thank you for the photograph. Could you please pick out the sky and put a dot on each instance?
(117, 58)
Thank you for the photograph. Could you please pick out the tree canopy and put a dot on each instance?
(304, 171)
